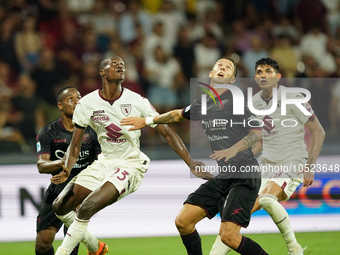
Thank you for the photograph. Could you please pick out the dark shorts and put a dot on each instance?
(232, 198)
(46, 217)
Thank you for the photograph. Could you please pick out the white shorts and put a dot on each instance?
(287, 180)
(125, 175)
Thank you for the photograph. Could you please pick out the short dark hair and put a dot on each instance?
(268, 62)
(107, 60)
(234, 63)
(58, 95)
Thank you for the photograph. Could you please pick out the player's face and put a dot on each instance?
(114, 70)
(69, 101)
(223, 72)
(266, 76)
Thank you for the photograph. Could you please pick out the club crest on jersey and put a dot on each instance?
(126, 109)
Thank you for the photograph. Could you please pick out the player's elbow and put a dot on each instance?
(320, 133)
(41, 168)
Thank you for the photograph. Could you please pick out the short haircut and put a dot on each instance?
(59, 94)
(268, 62)
(107, 61)
(234, 63)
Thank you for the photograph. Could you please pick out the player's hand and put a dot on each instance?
(227, 154)
(308, 177)
(61, 177)
(137, 122)
(197, 169)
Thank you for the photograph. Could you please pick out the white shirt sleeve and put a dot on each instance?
(79, 115)
(148, 110)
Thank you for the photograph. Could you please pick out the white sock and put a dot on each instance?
(74, 235)
(219, 248)
(67, 219)
(89, 240)
(279, 215)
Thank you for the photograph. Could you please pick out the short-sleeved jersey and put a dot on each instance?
(224, 129)
(104, 117)
(53, 139)
(283, 135)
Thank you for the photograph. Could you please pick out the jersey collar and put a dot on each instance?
(110, 101)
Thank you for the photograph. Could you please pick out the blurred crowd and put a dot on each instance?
(45, 44)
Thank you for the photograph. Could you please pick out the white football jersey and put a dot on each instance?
(282, 135)
(104, 117)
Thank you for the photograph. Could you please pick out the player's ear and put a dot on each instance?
(210, 74)
(278, 76)
(232, 80)
(60, 106)
(102, 72)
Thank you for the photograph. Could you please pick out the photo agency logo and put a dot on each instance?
(300, 100)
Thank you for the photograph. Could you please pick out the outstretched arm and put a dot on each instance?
(177, 145)
(173, 116)
(257, 147)
(71, 156)
(318, 136)
(47, 166)
(253, 136)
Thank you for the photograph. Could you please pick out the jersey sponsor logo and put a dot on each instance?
(113, 131)
(268, 123)
(86, 138)
(236, 211)
(59, 141)
(98, 112)
(38, 147)
(116, 141)
(59, 154)
(100, 118)
(126, 109)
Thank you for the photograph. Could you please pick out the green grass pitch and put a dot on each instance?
(326, 243)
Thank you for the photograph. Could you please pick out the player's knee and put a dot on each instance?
(43, 243)
(180, 224)
(56, 206)
(85, 211)
(230, 238)
(267, 201)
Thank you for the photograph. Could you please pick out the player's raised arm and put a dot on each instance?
(71, 155)
(318, 136)
(170, 117)
(253, 136)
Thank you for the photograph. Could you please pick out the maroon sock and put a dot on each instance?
(192, 243)
(249, 247)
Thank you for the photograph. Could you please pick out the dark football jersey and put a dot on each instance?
(223, 129)
(53, 139)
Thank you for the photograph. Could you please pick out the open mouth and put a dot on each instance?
(263, 82)
(221, 75)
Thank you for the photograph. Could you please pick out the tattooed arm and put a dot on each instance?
(318, 136)
(173, 116)
(253, 136)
